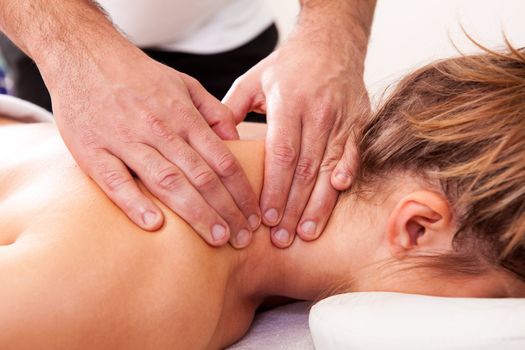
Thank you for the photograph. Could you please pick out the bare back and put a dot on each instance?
(75, 270)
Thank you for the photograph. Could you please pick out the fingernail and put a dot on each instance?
(254, 220)
(218, 232)
(282, 236)
(149, 218)
(271, 215)
(309, 228)
(243, 238)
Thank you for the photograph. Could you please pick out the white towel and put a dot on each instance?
(282, 328)
(23, 111)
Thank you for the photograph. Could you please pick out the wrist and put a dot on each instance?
(64, 38)
(343, 24)
(342, 49)
(72, 60)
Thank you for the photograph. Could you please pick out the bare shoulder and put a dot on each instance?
(252, 131)
(250, 155)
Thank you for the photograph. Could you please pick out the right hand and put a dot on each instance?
(128, 111)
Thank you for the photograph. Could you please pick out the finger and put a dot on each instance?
(313, 144)
(244, 96)
(324, 196)
(206, 181)
(319, 207)
(114, 179)
(218, 115)
(168, 183)
(283, 142)
(346, 168)
(225, 165)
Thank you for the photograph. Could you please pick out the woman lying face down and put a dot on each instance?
(437, 208)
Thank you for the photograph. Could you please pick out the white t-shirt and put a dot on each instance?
(194, 26)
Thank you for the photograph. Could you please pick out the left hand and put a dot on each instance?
(312, 91)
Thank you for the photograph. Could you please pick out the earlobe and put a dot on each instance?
(421, 221)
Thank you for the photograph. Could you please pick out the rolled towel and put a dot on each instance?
(23, 111)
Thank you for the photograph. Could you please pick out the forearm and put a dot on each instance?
(59, 33)
(346, 22)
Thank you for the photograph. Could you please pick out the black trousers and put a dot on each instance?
(216, 72)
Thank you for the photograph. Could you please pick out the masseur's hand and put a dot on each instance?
(119, 111)
(312, 91)
(132, 112)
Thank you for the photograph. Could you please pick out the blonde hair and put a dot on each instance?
(461, 121)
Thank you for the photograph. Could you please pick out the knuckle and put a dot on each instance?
(90, 139)
(227, 165)
(284, 155)
(159, 127)
(189, 79)
(123, 132)
(150, 162)
(305, 172)
(328, 164)
(204, 179)
(114, 179)
(170, 179)
(331, 159)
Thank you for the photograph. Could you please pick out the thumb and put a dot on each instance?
(244, 96)
(346, 169)
(218, 116)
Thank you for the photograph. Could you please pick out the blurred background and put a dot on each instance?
(409, 33)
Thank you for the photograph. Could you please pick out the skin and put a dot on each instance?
(117, 109)
(77, 273)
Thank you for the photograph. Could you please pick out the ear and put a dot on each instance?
(421, 221)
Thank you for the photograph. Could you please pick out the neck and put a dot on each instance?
(305, 271)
